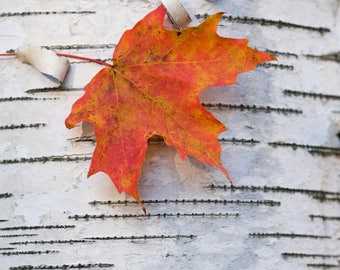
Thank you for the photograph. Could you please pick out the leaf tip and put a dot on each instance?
(273, 58)
(158, 13)
(212, 21)
(68, 122)
(226, 173)
(136, 197)
(144, 209)
(268, 57)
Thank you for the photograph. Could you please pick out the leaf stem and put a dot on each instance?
(84, 58)
(68, 56)
(7, 54)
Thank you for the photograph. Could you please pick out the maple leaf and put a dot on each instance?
(153, 88)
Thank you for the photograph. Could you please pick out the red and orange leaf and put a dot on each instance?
(152, 88)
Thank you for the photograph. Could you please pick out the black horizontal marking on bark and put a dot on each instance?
(21, 126)
(277, 189)
(325, 218)
(239, 141)
(323, 265)
(5, 195)
(325, 198)
(48, 227)
(326, 57)
(191, 201)
(287, 235)
(18, 235)
(304, 255)
(253, 108)
(7, 248)
(36, 13)
(313, 149)
(277, 53)
(325, 153)
(51, 242)
(64, 266)
(276, 66)
(144, 237)
(9, 99)
(265, 22)
(52, 89)
(90, 139)
(64, 158)
(296, 93)
(31, 252)
(159, 215)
